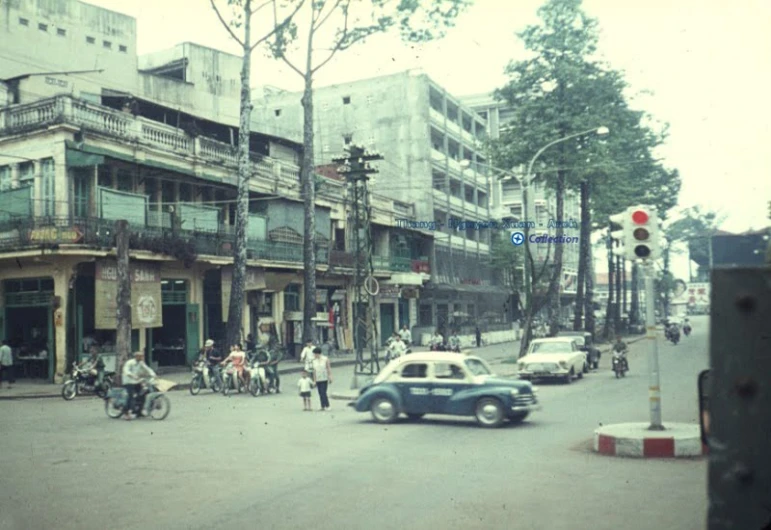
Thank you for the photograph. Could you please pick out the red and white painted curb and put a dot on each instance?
(677, 440)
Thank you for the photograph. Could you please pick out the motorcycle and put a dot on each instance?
(673, 335)
(202, 378)
(259, 380)
(230, 379)
(620, 365)
(435, 346)
(82, 381)
(686, 330)
(151, 401)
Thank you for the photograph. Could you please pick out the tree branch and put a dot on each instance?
(331, 12)
(290, 65)
(337, 45)
(279, 27)
(254, 11)
(227, 27)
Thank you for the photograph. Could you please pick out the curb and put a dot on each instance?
(176, 388)
(634, 440)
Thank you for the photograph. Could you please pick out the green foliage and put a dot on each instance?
(695, 227)
(564, 90)
(508, 260)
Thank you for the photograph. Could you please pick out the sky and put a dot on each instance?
(698, 65)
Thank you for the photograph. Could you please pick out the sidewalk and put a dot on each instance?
(181, 376)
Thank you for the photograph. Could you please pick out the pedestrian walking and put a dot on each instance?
(322, 376)
(6, 365)
(479, 337)
(305, 384)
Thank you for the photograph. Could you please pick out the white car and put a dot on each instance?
(553, 358)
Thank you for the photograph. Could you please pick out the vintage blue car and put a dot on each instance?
(445, 383)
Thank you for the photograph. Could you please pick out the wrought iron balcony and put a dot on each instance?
(53, 232)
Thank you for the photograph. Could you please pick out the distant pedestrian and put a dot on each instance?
(479, 337)
(6, 364)
(322, 376)
(306, 357)
(305, 384)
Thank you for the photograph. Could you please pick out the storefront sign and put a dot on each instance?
(293, 315)
(321, 296)
(145, 295)
(255, 281)
(408, 293)
(338, 295)
(54, 234)
(389, 291)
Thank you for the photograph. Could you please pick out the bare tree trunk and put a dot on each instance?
(583, 254)
(309, 195)
(589, 302)
(123, 314)
(609, 309)
(237, 294)
(617, 313)
(634, 311)
(554, 292)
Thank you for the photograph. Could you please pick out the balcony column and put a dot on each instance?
(62, 276)
(61, 182)
(14, 176)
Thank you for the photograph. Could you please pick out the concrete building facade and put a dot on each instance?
(79, 151)
(433, 157)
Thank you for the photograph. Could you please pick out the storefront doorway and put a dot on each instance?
(170, 343)
(28, 326)
(387, 322)
(404, 313)
(213, 326)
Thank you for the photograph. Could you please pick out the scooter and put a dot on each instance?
(259, 382)
(82, 381)
(686, 330)
(230, 379)
(673, 335)
(203, 379)
(150, 401)
(619, 363)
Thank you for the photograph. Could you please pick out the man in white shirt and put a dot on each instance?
(134, 371)
(397, 348)
(406, 335)
(6, 364)
(322, 376)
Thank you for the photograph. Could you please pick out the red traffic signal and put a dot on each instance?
(639, 217)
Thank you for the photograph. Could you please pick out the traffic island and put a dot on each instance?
(635, 440)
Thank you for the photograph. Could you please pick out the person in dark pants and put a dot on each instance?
(479, 337)
(6, 365)
(322, 376)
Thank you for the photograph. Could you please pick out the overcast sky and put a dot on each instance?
(697, 64)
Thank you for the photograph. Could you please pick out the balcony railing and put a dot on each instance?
(52, 232)
(89, 116)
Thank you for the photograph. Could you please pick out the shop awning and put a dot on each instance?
(277, 281)
(81, 159)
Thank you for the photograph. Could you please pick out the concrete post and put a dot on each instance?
(654, 388)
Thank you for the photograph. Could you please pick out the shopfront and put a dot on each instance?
(177, 342)
(29, 325)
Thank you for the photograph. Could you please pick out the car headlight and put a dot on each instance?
(514, 392)
(564, 364)
(534, 389)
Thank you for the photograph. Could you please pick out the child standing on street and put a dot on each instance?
(305, 384)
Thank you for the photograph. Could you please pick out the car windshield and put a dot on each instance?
(477, 367)
(580, 341)
(550, 347)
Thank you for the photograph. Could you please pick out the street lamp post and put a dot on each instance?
(525, 182)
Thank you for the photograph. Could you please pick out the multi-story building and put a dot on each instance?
(507, 197)
(88, 138)
(433, 157)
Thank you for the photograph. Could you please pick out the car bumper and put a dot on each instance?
(543, 375)
(526, 408)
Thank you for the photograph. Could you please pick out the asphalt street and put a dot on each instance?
(239, 462)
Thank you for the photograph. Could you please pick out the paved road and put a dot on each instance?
(242, 461)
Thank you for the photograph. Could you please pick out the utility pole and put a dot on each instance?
(123, 316)
(357, 171)
(654, 384)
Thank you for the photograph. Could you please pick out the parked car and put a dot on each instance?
(553, 358)
(585, 343)
(445, 383)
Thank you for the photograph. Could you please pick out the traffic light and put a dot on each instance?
(619, 233)
(644, 233)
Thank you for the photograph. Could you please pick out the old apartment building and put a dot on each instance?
(434, 157)
(91, 133)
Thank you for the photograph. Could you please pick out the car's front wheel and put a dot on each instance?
(384, 410)
(489, 412)
(569, 377)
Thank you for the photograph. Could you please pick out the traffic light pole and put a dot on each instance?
(654, 385)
